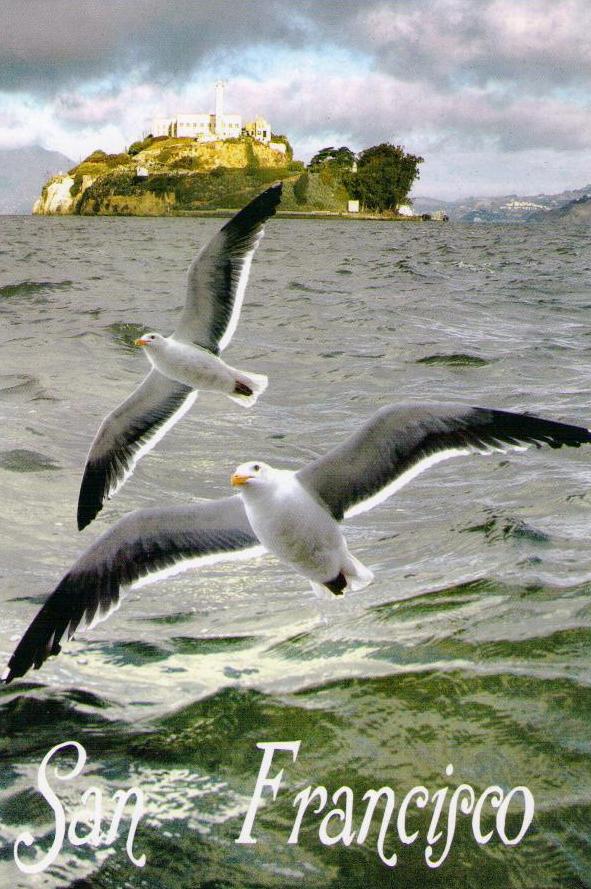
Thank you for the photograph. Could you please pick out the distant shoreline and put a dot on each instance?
(228, 213)
(305, 214)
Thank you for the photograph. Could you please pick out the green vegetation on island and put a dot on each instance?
(379, 177)
(384, 176)
(182, 176)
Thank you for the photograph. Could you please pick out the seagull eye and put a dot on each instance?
(256, 467)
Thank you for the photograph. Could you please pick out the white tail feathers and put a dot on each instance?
(320, 591)
(255, 384)
(358, 576)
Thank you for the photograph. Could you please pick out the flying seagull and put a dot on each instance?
(294, 515)
(185, 361)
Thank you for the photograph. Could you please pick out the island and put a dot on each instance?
(203, 164)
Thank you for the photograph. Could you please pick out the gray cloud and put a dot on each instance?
(44, 45)
(535, 45)
(378, 107)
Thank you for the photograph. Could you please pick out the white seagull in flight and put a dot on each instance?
(294, 515)
(185, 361)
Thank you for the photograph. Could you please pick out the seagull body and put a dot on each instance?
(297, 528)
(189, 360)
(201, 369)
(294, 515)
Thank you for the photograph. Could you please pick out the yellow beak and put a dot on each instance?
(236, 480)
(140, 342)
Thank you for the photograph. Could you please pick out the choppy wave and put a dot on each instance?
(29, 288)
(20, 386)
(455, 360)
(24, 460)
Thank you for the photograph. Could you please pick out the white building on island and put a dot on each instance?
(211, 127)
(259, 129)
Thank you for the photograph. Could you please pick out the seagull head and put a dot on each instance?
(253, 475)
(149, 340)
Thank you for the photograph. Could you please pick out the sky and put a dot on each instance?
(495, 95)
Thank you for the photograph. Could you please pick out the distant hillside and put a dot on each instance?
(179, 176)
(506, 208)
(578, 210)
(22, 173)
(429, 205)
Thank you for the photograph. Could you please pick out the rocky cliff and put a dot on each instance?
(22, 174)
(178, 176)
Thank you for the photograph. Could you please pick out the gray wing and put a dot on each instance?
(125, 435)
(398, 443)
(140, 547)
(218, 276)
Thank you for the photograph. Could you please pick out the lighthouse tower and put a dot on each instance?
(202, 127)
(219, 108)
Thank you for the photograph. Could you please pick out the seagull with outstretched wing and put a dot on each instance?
(184, 362)
(294, 515)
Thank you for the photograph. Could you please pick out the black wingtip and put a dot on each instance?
(259, 209)
(10, 674)
(539, 430)
(42, 638)
(275, 192)
(266, 203)
(18, 665)
(92, 494)
(86, 515)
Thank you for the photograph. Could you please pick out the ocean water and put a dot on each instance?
(471, 648)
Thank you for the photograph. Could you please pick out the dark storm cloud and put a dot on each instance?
(47, 43)
(530, 45)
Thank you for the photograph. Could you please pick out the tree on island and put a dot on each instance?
(333, 158)
(332, 166)
(384, 176)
